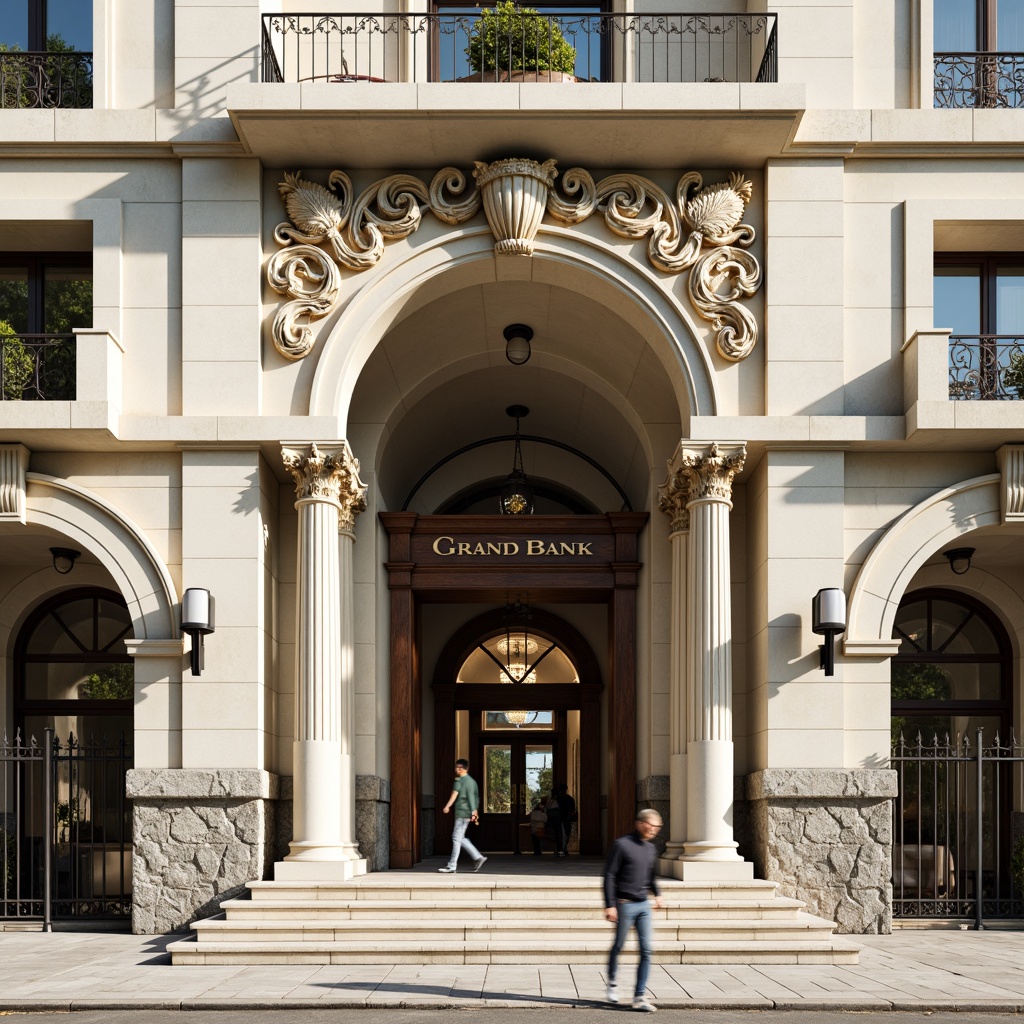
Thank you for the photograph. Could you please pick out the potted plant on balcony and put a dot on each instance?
(513, 43)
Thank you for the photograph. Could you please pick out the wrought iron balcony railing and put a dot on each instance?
(37, 367)
(986, 367)
(979, 80)
(45, 80)
(479, 46)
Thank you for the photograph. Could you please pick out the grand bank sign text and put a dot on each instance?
(508, 548)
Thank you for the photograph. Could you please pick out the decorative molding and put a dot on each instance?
(515, 194)
(711, 470)
(327, 473)
(700, 230)
(13, 467)
(673, 496)
(1010, 459)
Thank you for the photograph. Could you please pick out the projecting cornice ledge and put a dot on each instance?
(397, 124)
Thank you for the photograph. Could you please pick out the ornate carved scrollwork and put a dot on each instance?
(700, 230)
(328, 474)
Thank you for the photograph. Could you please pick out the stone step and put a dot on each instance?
(529, 908)
(479, 886)
(576, 950)
(428, 932)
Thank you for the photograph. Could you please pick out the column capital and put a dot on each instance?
(327, 472)
(673, 496)
(711, 468)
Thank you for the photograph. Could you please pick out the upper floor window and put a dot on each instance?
(46, 54)
(43, 297)
(979, 53)
(981, 297)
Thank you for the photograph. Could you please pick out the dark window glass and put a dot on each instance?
(69, 25)
(956, 25)
(14, 34)
(37, 25)
(957, 298)
(46, 293)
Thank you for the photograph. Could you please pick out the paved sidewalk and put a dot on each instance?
(909, 970)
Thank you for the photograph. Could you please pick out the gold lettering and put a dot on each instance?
(437, 549)
(552, 549)
(511, 547)
(585, 548)
(493, 549)
(535, 547)
(464, 547)
(566, 549)
(479, 549)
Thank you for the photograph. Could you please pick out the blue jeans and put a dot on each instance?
(459, 842)
(630, 914)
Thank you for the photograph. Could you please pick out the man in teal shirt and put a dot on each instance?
(466, 800)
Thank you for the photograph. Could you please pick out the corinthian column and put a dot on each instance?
(673, 497)
(329, 495)
(710, 851)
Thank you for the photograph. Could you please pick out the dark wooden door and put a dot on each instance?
(516, 769)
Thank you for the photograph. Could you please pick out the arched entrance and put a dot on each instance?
(517, 692)
(483, 559)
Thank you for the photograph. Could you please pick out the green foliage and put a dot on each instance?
(916, 681)
(508, 37)
(1013, 375)
(114, 682)
(58, 81)
(1017, 866)
(18, 363)
(497, 772)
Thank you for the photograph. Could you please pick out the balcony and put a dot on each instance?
(37, 367)
(987, 368)
(506, 47)
(989, 80)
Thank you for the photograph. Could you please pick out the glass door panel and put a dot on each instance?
(497, 793)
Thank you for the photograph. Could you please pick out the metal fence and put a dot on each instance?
(987, 367)
(956, 850)
(979, 80)
(484, 46)
(37, 367)
(45, 80)
(65, 829)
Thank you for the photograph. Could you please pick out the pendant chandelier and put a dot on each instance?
(516, 494)
(518, 718)
(515, 649)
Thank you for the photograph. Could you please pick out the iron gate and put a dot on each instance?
(958, 834)
(65, 829)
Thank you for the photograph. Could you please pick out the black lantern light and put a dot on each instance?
(516, 494)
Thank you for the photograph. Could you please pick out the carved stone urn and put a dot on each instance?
(515, 195)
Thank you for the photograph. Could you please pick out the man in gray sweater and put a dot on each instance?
(628, 878)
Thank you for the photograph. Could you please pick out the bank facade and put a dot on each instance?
(517, 415)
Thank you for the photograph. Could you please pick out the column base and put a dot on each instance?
(712, 870)
(318, 870)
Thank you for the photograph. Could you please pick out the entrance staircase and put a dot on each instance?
(504, 914)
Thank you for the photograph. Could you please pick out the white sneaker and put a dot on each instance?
(447, 871)
(613, 992)
(479, 864)
(640, 1003)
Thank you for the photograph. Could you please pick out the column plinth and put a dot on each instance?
(329, 495)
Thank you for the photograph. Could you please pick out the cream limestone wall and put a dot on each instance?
(140, 43)
(816, 48)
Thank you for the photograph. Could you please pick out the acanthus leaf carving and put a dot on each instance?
(328, 473)
(711, 470)
(699, 230)
(673, 496)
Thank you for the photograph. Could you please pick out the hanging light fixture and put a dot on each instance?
(516, 495)
(516, 648)
(518, 718)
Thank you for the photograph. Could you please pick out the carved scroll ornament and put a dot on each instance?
(700, 230)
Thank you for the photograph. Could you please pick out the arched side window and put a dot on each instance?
(952, 673)
(72, 671)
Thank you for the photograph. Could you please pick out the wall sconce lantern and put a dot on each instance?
(197, 619)
(64, 559)
(828, 619)
(959, 559)
(517, 343)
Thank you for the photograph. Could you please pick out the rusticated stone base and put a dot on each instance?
(825, 836)
(653, 792)
(198, 837)
(373, 820)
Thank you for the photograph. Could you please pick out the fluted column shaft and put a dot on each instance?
(709, 749)
(328, 496)
(673, 497)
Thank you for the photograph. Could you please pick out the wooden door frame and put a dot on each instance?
(583, 559)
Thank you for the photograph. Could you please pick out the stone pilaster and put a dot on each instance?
(329, 495)
(710, 850)
(673, 499)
